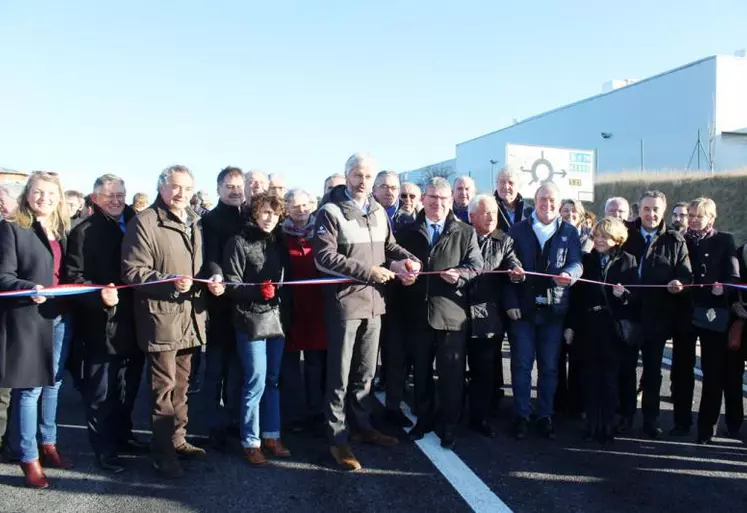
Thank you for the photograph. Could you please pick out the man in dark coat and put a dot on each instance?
(438, 309)
(113, 363)
(487, 327)
(511, 207)
(663, 261)
(223, 368)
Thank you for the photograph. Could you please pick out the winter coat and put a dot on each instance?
(94, 256)
(218, 226)
(255, 256)
(484, 293)
(157, 245)
(504, 220)
(430, 298)
(713, 259)
(349, 243)
(562, 254)
(666, 259)
(307, 332)
(26, 343)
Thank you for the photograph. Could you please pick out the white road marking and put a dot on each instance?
(473, 490)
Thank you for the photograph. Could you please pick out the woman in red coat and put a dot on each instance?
(303, 385)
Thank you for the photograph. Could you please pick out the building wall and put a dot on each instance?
(731, 113)
(663, 114)
(447, 169)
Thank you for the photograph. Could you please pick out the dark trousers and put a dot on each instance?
(169, 380)
(302, 385)
(628, 381)
(353, 346)
(723, 370)
(223, 378)
(498, 380)
(652, 351)
(599, 356)
(481, 354)
(448, 348)
(111, 386)
(397, 360)
(5, 395)
(569, 396)
(683, 376)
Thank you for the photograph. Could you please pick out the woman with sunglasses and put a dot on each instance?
(36, 332)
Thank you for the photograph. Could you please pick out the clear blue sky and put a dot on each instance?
(87, 87)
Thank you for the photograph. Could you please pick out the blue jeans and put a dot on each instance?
(260, 396)
(540, 337)
(26, 400)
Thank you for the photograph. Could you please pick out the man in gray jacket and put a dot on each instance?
(353, 239)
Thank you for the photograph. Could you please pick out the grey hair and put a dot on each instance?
(488, 199)
(104, 179)
(273, 176)
(357, 159)
(653, 194)
(465, 178)
(437, 183)
(295, 192)
(163, 179)
(384, 174)
(548, 186)
(616, 199)
(13, 189)
(513, 174)
(411, 184)
(252, 172)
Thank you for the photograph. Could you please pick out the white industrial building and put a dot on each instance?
(692, 117)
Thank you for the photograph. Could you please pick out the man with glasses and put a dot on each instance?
(679, 217)
(105, 325)
(276, 185)
(386, 192)
(437, 309)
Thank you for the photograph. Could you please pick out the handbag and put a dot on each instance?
(712, 319)
(263, 325)
(628, 331)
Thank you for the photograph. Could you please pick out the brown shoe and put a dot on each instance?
(374, 437)
(274, 447)
(254, 456)
(34, 473)
(187, 450)
(52, 458)
(345, 457)
(168, 467)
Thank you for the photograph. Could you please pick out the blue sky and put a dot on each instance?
(89, 87)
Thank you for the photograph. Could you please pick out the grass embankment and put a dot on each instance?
(728, 189)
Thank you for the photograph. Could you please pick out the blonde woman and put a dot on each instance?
(36, 336)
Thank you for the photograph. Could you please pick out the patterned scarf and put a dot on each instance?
(697, 236)
(304, 232)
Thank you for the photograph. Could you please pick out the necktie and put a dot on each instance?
(643, 255)
(122, 224)
(436, 231)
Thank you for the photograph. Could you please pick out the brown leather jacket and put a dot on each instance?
(157, 245)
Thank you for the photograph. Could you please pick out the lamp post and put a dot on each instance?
(492, 168)
(608, 135)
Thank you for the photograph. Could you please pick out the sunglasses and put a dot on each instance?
(405, 196)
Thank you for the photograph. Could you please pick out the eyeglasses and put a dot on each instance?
(442, 199)
(388, 187)
(404, 195)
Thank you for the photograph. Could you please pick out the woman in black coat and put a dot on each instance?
(594, 324)
(259, 256)
(713, 256)
(34, 331)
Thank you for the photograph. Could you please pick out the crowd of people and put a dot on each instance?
(428, 281)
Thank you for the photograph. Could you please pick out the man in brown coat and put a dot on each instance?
(165, 241)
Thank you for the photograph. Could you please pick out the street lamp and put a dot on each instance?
(492, 168)
(608, 135)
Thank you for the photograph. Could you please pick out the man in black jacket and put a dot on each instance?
(223, 368)
(105, 325)
(663, 261)
(439, 308)
(511, 208)
(487, 325)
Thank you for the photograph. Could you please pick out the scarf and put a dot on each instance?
(543, 231)
(304, 232)
(697, 236)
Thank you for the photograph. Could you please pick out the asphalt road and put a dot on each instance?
(634, 475)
